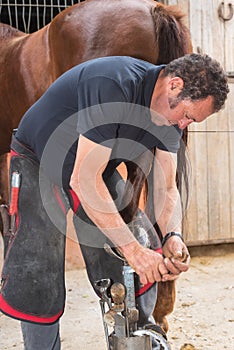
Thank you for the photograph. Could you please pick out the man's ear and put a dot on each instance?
(176, 84)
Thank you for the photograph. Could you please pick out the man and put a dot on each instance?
(97, 115)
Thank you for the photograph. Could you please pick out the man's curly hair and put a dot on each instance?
(202, 76)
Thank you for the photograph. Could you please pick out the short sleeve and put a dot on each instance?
(169, 138)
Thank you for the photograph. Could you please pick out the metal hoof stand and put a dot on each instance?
(120, 315)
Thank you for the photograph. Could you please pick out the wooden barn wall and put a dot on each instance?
(210, 215)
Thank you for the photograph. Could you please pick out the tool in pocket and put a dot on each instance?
(14, 196)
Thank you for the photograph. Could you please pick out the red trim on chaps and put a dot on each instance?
(8, 310)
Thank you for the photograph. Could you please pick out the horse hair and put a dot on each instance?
(172, 34)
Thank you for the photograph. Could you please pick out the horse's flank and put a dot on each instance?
(101, 28)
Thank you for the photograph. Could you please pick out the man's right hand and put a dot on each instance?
(148, 264)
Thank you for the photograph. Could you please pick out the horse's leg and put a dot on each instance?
(4, 187)
(165, 303)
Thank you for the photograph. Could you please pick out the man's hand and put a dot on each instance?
(148, 264)
(176, 259)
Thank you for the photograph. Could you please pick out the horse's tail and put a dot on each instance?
(172, 35)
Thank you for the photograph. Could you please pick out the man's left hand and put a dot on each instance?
(177, 257)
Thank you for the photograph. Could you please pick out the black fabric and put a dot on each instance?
(33, 271)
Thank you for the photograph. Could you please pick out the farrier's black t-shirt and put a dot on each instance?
(107, 100)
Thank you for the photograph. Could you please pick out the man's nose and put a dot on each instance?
(184, 122)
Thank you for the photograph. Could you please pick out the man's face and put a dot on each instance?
(168, 109)
(185, 112)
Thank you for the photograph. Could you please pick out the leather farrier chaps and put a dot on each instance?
(33, 287)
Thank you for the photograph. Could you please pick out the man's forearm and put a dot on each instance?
(100, 208)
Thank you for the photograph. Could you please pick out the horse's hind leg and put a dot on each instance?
(165, 303)
(4, 187)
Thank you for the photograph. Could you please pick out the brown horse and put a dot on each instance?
(29, 63)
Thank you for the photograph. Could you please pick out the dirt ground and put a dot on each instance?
(203, 315)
